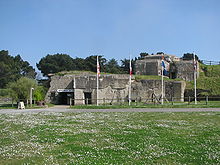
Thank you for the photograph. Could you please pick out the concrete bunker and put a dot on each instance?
(113, 88)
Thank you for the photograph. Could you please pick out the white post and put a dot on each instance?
(74, 91)
(195, 76)
(162, 68)
(129, 91)
(98, 72)
(31, 96)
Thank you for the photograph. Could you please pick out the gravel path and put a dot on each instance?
(64, 109)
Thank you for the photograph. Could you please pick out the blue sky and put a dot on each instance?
(113, 28)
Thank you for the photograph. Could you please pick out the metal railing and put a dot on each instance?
(145, 101)
(206, 62)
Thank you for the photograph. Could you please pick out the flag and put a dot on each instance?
(195, 65)
(129, 91)
(98, 67)
(164, 71)
(130, 71)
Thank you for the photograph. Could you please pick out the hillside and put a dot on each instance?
(208, 81)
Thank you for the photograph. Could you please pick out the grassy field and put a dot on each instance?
(201, 104)
(110, 138)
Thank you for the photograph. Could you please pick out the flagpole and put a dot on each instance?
(162, 81)
(195, 74)
(130, 72)
(97, 94)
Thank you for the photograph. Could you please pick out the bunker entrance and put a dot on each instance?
(64, 98)
(88, 97)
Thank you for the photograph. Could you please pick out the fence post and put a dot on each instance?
(207, 100)
(87, 101)
(189, 100)
(70, 102)
(172, 100)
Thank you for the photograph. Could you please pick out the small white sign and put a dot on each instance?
(65, 90)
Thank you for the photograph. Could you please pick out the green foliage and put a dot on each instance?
(12, 68)
(126, 65)
(4, 92)
(59, 63)
(211, 70)
(143, 54)
(189, 56)
(55, 63)
(91, 63)
(209, 80)
(152, 77)
(39, 93)
(21, 88)
(211, 84)
(113, 67)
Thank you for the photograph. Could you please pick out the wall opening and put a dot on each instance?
(88, 97)
(64, 98)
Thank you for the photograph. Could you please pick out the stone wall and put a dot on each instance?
(150, 67)
(147, 67)
(111, 89)
(176, 69)
(184, 70)
(148, 89)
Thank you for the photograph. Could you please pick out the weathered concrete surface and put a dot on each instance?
(111, 87)
(184, 70)
(151, 88)
(148, 67)
(177, 68)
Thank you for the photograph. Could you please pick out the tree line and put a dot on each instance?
(63, 62)
(13, 68)
(18, 76)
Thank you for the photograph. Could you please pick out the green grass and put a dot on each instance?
(7, 106)
(209, 74)
(110, 138)
(34, 106)
(200, 104)
(150, 77)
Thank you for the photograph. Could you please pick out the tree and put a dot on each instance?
(56, 63)
(20, 90)
(189, 56)
(160, 53)
(112, 67)
(144, 54)
(13, 68)
(126, 65)
(91, 63)
(39, 93)
(79, 64)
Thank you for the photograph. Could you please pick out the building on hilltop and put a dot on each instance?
(176, 67)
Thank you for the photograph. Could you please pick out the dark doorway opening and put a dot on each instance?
(64, 98)
(88, 97)
(173, 75)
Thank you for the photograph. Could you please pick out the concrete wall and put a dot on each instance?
(177, 69)
(185, 70)
(111, 88)
(148, 89)
(147, 67)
